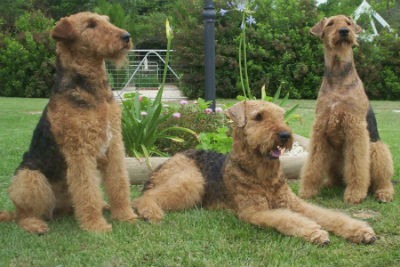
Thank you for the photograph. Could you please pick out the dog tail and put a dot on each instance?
(372, 125)
(7, 216)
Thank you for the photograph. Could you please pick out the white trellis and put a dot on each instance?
(366, 8)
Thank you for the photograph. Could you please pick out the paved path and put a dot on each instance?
(171, 92)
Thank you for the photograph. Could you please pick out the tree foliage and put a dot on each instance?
(27, 59)
(280, 51)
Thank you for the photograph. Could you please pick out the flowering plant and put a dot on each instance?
(194, 115)
(142, 117)
(246, 8)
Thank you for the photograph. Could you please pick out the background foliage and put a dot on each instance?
(280, 50)
(27, 57)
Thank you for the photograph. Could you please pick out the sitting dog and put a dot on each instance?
(79, 133)
(345, 143)
(249, 182)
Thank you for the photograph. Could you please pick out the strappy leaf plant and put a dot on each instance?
(141, 118)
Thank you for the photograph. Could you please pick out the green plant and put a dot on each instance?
(141, 119)
(218, 141)
(246, 8)
(196, 116)
(27, 60)
(289, 113)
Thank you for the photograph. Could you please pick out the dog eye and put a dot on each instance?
(92, 24)
(258, 117)
(330, 23)
(348, 23)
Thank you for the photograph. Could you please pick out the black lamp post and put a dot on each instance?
(209, 51)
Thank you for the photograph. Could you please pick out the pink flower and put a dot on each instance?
(218, 110)
(183, 102)
(208, 111)
(143, 113)
(176, 115)
(140, 98)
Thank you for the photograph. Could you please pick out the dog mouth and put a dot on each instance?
(345, 40)
(276, 152)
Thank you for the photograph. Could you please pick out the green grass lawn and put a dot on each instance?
(196, 237)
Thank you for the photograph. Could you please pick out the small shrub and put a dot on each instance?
(27, 59)
(141, 120)
(219, 141)
(197, 117)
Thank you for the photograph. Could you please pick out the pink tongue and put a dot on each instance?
(276, 153)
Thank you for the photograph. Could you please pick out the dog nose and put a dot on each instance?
(343, 32)
(126, 37)
(284, 136)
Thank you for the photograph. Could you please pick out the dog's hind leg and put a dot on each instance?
(381, 171)
(178, 184)
(34, 200)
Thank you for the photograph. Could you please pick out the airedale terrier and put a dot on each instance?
(78, 134)
(249, 182)
(345, 143)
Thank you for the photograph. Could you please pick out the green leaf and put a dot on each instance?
(263, 94)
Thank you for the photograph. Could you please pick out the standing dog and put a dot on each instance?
(345, 143)
(249, 182)
(79, 133)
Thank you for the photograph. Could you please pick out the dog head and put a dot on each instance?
(92, 35)
(337, 31)
(260, 127)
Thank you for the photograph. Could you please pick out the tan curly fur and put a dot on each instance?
(249, 182)
(78, 135)
(345, 146)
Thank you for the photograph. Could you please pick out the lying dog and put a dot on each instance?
(249, 182)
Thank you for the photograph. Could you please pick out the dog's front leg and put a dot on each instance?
(288, 223)
(116, 181)
(315, 166)
(84, 187)
(356, 164)
(339, 223)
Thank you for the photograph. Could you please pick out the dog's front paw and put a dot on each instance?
(34, 225)
(353, 197)
(364, 235)
(125, 215)
(307, 193)
(320, 237)
(384, 195)
(151, 215)
(97, 226)
(148, 210)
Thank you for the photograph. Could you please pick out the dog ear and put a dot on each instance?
(63, 31)
(318, 28)
(357, 28)
(237, 113)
